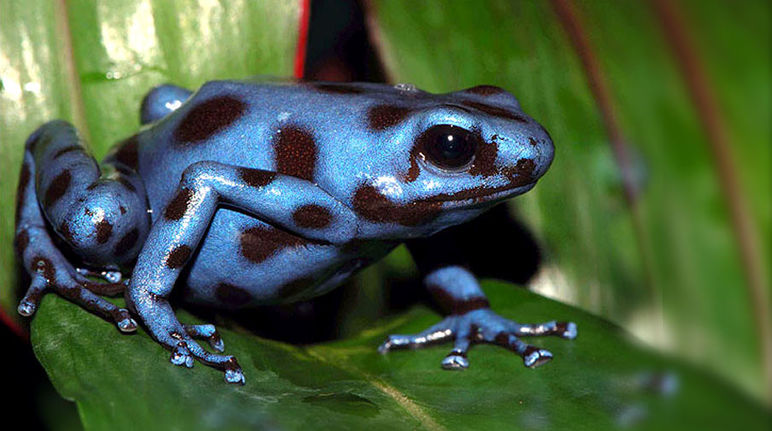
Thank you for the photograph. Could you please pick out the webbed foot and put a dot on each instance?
(482, 326)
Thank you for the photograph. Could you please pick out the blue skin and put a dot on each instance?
(268, 193)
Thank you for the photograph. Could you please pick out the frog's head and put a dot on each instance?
(443, 159)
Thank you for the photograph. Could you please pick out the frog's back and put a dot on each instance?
(284, 127)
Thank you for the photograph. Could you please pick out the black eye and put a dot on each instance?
(448, 147)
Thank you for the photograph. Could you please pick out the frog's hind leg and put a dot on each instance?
(162, 100)
(64, 200)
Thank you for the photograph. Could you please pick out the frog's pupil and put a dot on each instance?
(452, 146)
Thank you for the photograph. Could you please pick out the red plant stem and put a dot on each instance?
(719, 144)
(300, 51)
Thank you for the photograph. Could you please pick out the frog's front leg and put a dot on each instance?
(470, 320)
(292, 203)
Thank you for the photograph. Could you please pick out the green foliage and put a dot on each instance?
(598, 381)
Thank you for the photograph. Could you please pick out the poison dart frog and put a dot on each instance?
(248, 193)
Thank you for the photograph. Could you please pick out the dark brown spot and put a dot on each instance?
(104, 230)
(521, 173)
(58, 187)
(43, 266)
(532, 141)
(295, 287)
(312, 217)
(128, 153)
(66, 233)
(414, 170)
(256, 177)
(66, 150)
(295, 153)
(529, 350)
(337, 88)
(485, 159)
(380, 117)
(502, 339)
(122, 209)
(24, 178)
(208, 118)
(259, 243)
(231, 295)
(496, 111)
(485, 90)
(21, 241)
(179, 204)
(126, 243)
(455, 306)
(374, 206)
(178, 256)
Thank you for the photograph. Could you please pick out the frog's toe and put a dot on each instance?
(208, 333)
(567, 330)
(29, 304)
(235, 376)
(181, 355)
(126, 324)
(438, 333)
(534, 357)
(456, 359)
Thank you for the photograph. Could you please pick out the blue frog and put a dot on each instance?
(247, 193)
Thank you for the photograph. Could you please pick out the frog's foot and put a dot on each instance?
(159, 319)
(482, 326)
(50, 272)
(185, 350)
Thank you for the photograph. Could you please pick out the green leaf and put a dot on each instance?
(669, 268)
(598, 381)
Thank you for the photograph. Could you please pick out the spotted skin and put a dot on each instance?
(247, 193)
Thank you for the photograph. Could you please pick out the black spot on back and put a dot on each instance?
(208, 118)
(58, 187)
(295, 152)
(380, 117)
(495, 111)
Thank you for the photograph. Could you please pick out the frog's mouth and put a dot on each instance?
(484, 194)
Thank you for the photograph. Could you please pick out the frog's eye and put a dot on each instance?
(449, 147)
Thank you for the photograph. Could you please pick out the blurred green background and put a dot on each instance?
(655, 215)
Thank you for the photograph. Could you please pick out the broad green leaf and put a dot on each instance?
(672, 274)
(601, 380)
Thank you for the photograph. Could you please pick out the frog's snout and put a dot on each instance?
(526, 158)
